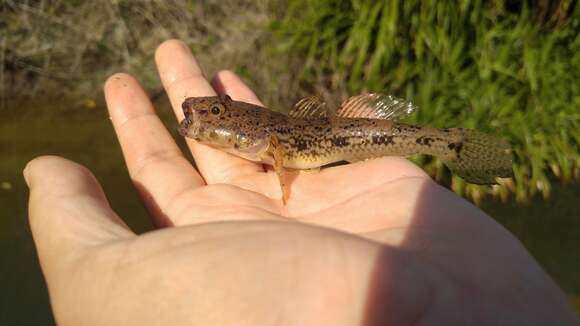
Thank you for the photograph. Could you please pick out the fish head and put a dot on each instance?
(199, 112)
(216, 121)
(208, 119)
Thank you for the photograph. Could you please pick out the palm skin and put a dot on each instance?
(372, 243)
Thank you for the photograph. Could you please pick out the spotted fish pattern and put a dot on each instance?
(363, 127)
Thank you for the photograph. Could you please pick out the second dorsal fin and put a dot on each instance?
(309, 107)
(375, 106)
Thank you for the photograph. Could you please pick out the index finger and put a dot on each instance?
(156, 165)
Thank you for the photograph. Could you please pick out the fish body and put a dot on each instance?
(312, 136)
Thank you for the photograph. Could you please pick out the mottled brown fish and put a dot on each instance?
(363, 127)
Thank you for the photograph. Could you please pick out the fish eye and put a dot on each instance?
(216, 109)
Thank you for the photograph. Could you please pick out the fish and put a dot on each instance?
(313, 135)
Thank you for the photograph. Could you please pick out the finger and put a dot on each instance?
(155, 162)
(68, 211)
(183, 78)
(227, 82)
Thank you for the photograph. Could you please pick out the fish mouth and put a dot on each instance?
(186, 107)
(190, 125)
(187, 128)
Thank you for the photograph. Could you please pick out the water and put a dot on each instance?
(549, 229)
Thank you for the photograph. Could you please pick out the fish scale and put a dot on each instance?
(312, 136)
(353, 140)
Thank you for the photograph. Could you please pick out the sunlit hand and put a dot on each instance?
(368, 243)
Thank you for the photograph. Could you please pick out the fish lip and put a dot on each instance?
(186, 109)
(182, 130)
(185, 129)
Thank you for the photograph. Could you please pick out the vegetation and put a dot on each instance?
(503, 68)
(512, 70)
(54, 48)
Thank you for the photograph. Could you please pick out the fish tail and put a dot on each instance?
(478, 157)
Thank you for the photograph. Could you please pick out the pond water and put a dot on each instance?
(82, 132)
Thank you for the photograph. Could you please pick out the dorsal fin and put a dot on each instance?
(375, 106)
(309, 107)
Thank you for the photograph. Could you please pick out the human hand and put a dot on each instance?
(376, 242)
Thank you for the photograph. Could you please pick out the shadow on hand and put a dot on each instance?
(457, 265)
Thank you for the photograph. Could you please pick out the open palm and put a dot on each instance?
(226, 187)
(376, 242)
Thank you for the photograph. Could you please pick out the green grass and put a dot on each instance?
(511, 71)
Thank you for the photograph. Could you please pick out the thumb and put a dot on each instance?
(68, 212)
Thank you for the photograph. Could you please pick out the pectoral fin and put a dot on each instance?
(277, 152)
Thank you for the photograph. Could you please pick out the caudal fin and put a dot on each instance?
(479, 158)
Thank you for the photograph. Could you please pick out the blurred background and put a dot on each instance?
(506, 67)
